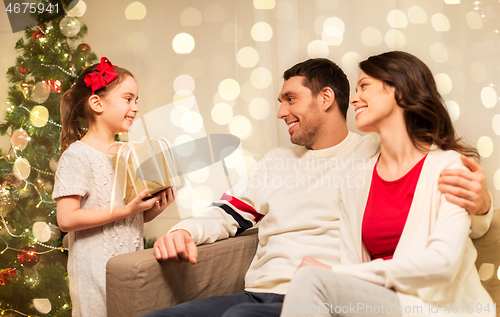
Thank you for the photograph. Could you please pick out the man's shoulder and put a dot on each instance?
(365, 146)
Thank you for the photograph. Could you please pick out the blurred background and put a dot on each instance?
(211, 67)
(230, 56)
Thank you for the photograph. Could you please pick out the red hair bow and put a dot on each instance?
(106, 74)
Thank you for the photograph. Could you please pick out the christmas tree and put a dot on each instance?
(33, 277)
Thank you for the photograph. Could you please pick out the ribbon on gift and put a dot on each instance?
(130, 170)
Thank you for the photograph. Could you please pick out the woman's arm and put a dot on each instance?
(438, 263)
(70, 217)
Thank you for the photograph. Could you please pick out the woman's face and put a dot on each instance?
(375, 105)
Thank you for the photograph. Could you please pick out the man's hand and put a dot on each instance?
(467, 189)
(309, 260)
(177, 246)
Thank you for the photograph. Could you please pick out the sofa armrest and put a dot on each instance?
(488, 259)
(137, 284)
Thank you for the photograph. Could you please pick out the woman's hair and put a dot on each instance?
(425, 115)
(76, 114)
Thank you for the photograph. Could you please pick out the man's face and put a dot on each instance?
(301, 112)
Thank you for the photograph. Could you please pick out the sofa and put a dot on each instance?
(137, 284)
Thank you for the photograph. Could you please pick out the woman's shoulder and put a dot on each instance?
(446, 158)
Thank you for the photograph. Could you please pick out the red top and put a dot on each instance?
(386, 211)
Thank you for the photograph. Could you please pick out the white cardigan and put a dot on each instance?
(433, 263)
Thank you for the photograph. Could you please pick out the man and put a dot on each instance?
(293, 194)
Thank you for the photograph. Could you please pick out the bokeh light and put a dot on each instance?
(192, 122)
(350, 62)
(286, 11)
(443, 83)
(261, 77)
(184, 85)
(247, 57)
(135, 11)
(218, 99)
(214, 13)
(335, 26)
(205, 193)
(264, 4)
(395, 39)
(222, 113)
(177, 114)
(259, 108)
(229, 89)
(371, 36)
(191, 17)
(78, 10)
(489, 97)
(232, 158)
(317, 48)
(453, 110)
(183, 43)
(496, 124)
(486, 271)
(439, 53)
(186, 101)
(241, 127)
(485, 146)
(187, 147)
(261, 32)
(198, 172)
(440, 22)
(417, 15)
(319, 24)
(496, 179)
(397, 19)
(474, 20)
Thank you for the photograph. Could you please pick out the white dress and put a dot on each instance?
(86, 172)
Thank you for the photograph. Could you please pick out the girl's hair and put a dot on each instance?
(425, 115)
(76, 113)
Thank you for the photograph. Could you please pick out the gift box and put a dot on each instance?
(147, 164)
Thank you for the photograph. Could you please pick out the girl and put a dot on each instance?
(103, 99)
(405, 250)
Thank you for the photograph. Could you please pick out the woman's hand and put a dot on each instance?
(309, 260)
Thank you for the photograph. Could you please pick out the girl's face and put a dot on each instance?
(120, 106)
(375, 104)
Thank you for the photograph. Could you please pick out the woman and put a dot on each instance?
(405, 249)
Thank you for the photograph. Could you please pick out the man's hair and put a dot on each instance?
(319, 73)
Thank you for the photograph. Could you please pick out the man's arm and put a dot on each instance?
(469, 190)
(225, 218)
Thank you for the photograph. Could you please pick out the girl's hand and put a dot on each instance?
(137, 204)
(166, 198)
